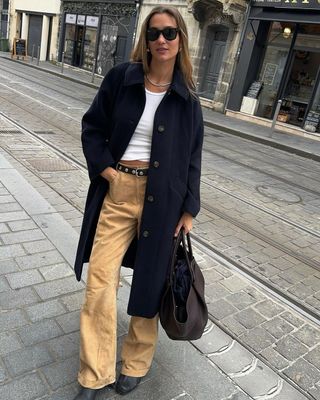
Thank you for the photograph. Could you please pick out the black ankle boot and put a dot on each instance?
(86, 394)
(126, 384)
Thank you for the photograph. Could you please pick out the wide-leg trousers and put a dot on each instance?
(118, 223)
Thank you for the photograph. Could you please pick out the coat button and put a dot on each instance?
(161, 128)
(145, 234)
(156, 164)
(150, 198)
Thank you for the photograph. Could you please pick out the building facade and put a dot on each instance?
(37, 22)
(214, 29)
(97, 34)
(4, 19)
(280, 60)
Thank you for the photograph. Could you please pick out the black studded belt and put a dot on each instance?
(132, 171)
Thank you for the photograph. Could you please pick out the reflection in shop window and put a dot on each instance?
(69, 43)
(274, 62)
(298, 106)
(89, 48)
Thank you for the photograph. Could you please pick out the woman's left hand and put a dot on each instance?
(185, 222)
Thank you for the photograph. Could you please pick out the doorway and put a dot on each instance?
(34, 34)
(299, 87)
(77, 62)
(212, 57)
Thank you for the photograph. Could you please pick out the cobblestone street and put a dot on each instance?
(256, 239)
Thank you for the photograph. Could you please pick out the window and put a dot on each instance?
(271, 72)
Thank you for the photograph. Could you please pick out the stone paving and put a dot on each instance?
(40, 301)
(268, 350)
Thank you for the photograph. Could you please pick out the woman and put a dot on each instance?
(142, 139)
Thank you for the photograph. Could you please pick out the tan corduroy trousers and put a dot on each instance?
(118, 223)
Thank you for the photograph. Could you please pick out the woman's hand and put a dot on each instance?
(185, 222)
(109, 174)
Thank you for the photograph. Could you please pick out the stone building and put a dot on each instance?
(37, 22)
(4, 28)
(214, 30)
(278, 72)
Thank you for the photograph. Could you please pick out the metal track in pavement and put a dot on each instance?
(275, 292)
(35, 114)
(51, 87)
(264, 209)
(261, 171)
(305, 260)
(202, 244)
(62, 154)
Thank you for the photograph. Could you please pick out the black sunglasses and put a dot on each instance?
(168, 33)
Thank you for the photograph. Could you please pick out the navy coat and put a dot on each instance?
(173, 180)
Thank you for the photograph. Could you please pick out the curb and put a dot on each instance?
(258, 139)
(49, 71)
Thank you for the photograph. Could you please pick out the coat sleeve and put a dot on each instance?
(192, 200)
(96, 127)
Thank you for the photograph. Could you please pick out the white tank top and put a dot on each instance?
(139, 147)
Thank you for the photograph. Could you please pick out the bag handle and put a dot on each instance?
(189, 246)
(181, 238)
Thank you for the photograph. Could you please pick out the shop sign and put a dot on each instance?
(92, 21)
(301, 4)
(81, 19)
(71, 18)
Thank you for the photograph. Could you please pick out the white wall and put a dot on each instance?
(42, 6)
(39, 6)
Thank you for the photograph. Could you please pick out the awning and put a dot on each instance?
(285, 16)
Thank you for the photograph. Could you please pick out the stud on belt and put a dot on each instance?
(132, 171)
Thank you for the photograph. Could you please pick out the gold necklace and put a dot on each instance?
(157, 84)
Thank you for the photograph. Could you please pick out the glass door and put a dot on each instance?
(78, 46)
(273, 66)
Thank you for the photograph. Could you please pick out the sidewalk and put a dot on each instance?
(39, 320)
(40, 302)
(302, 146)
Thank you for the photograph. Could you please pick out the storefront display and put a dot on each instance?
(80, 40)
(283, 46)
(97, 34)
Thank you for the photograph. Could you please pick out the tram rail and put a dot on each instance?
(209, 249)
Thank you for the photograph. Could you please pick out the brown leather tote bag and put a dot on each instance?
(183, 310)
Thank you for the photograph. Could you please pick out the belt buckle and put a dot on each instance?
(137, 172)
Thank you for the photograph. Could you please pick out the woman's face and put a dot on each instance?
(162, 49)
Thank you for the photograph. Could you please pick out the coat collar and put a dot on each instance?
(134, 75)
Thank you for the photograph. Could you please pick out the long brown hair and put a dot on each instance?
(140, 53)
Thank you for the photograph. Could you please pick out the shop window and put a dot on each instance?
(69, 43)
(89, 48)
(300, 104)
(271, 72)
(300, 86)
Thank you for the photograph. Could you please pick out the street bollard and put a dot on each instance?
(93, 70)
(275, 117)
(62, 62)
(32, 54)
(38, 55)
